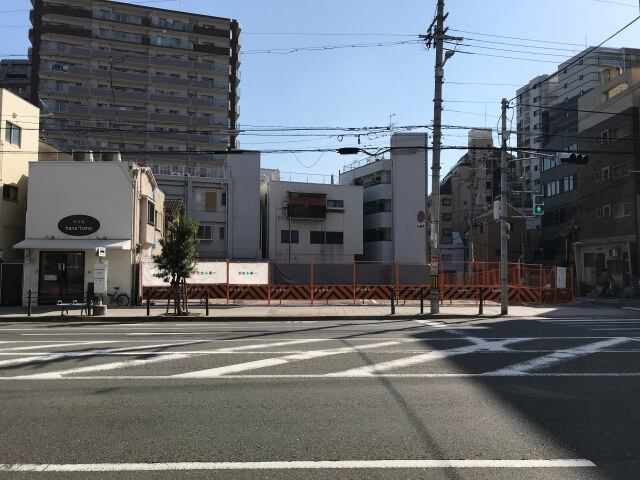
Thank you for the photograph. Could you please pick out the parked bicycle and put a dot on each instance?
(121, 299)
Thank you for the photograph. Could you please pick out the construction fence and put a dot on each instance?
(353, 281)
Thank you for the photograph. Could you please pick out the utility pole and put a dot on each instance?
(504, 284)
(438, 39)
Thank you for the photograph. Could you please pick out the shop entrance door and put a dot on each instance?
(61, 277)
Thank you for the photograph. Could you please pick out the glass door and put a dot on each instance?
(61, 277)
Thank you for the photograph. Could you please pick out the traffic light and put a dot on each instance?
(572, 157)
(538, 205)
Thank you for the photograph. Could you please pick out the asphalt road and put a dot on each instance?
(555, 398)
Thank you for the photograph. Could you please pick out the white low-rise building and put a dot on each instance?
(223, 197)
(394, 199)
(305, 222)
(77, 210)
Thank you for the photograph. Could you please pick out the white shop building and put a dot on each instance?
(79, 209)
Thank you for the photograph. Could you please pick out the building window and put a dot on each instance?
(335, 203)
(621, 170)
(598, 212)
(205, 232)
(10, 192)
(223, 199)
(606, 211)
(620, 132)
(446, 232)
(221, 233)
(12, 134)
(446, 201)
(335, 238)
(622, 210)
(604, 136)
(289, 236)
(316, 237)
(605, 174)
(446, 216)
(151, 213)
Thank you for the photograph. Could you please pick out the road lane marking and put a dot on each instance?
(270, 362)
(57, 375)
(267, 345)
(432, 324)
(368, 377)
(297, 465)
(55, 345)
(477, 345)
(92, 353)
(556, 357)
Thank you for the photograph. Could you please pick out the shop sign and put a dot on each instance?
(78, 225)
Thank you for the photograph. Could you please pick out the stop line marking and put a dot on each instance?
(297, 465)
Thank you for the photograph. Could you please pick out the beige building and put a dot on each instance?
(19, 123)
(113, 206)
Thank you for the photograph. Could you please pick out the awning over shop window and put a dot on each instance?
(73, 244)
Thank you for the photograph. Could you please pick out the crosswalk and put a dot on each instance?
(617, 326)
(322, 358)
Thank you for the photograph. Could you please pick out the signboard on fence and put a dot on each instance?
(561, 277)
(248, 273)
(206, 273)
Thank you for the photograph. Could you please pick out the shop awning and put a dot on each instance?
(73, 244)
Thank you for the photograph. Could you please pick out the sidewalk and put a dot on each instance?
(319, 311)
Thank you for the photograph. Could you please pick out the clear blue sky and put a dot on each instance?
(364, 86)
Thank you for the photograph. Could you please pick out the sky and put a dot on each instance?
(360, 64)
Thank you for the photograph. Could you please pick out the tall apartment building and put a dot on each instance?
(394, 192)
(548, 118)
(15, 76)
(161, 86)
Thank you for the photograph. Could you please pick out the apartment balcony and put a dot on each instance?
(212, 32)
(64, 11)
(64, 30)
(378, 220)
(169, 118)
(119, 114)
(226, 51)
(166, 80)
(171, 62)
(127, 76)
(172, 99)
(375, 192)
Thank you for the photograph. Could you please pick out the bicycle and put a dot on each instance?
(121, 299)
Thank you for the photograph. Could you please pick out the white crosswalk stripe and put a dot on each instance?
(392, 362)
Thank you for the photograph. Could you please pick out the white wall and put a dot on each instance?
(101, 190)
(348, 221)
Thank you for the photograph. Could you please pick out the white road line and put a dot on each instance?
(626, 329)
(266, 345)
(630, 308)
(270, 362)
(92, 353)
(478, 345)
(297, 465)
(558, 356)
(55, 345)
(432, 324)
(104, 367)
(138, 378)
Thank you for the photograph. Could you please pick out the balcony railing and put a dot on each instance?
(182, 171)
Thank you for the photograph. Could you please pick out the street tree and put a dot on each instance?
(177, 261)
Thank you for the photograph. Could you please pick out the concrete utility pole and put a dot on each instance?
(504, 284)
(438, 38)
(435, 166)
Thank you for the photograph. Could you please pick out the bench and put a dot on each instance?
(65, 307)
